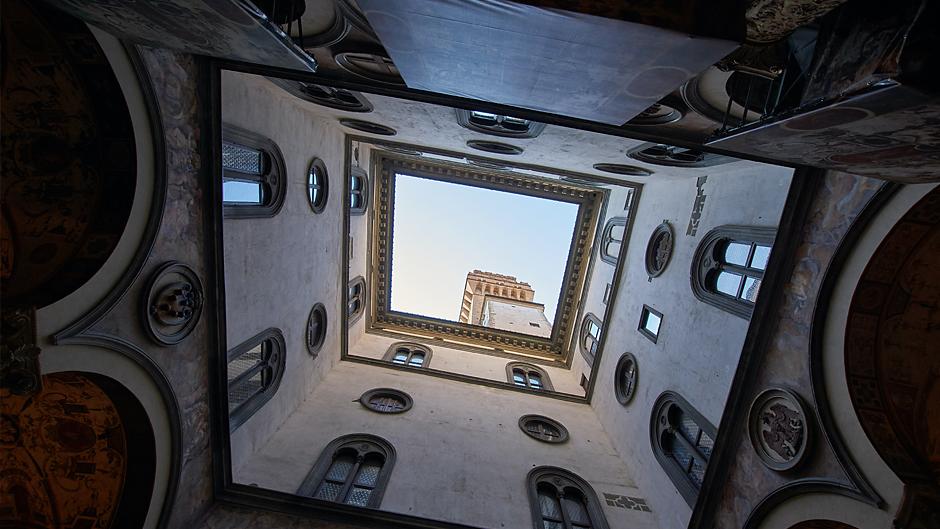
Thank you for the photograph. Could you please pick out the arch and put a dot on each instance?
(80, 447)
(75, 175)
(355, 299)
(337, 474)
(590, 337)
(125, 364)
(318, 185)
(528, 376)
(892, 369)
(359, 194)
(549, 487)
(728, 266)
(611, 239)
(408, 354)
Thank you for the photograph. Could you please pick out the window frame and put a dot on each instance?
(249, 407)
(315, 343)
(275, 175)
(365, 400)
(465, 120)
(707, 263)
(645, 313)
(412, 348)
(590, 356)
(679, 476)
(528, 368)
(318, 206)
(607, 238)
(354, 317)
(563, 435)
(561, 479)
(624, 393)
(363, 193)
(364, 445)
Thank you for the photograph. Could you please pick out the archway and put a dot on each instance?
(79, 453)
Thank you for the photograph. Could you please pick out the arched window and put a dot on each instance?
(356, 299)
(408, 354)
(729, 265)
(358, 191)
(591, 328)
(528, 376)
(253, 174)
(316, 329)
(353, 469)
(254, 372)
(612, 239)
(560, 499)
(682, 441)
(318, 185)
(498, 124)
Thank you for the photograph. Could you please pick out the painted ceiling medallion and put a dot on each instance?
(622, 169)
(779, 428)
(659, 249)
(494, 147)
(371, 66)
(368, 127)
(172, 303)
(658, 114)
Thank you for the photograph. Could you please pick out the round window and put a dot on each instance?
(386, 400)
(543, 429)
(625, 377)
(317, 185)
(316, 329)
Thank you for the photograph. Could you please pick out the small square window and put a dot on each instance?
(650, 322)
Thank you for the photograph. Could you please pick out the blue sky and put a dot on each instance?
(444, 230)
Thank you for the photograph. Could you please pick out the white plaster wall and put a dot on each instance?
(461, 456)
(360, 230)
(699, 345)
(465, 362)
(277, 268)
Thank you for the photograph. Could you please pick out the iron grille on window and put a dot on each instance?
(353, 469)
(683, 441)
(560, 499)
(254, 373)
(252, 174)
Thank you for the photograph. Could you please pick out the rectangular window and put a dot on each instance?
(650, 322)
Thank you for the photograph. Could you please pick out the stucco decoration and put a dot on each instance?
(227, 29)
(62, 455)
(779, 430)
(172, 303)
(771, 20)
(659, 249)
(892, 359)
(69, 159)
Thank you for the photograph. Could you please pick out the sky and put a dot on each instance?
(444, 230)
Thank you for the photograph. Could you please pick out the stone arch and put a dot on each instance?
(79, 451)
(891, 356)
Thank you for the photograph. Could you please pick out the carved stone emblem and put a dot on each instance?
(659, 249)
(172, 303)
(779, 429)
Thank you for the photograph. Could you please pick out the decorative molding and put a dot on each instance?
(780, 428)
(659, 249)
(19, 354)
(172, 303)
(544, 429)
(798, 487)
(385, 166)
(395, 400)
